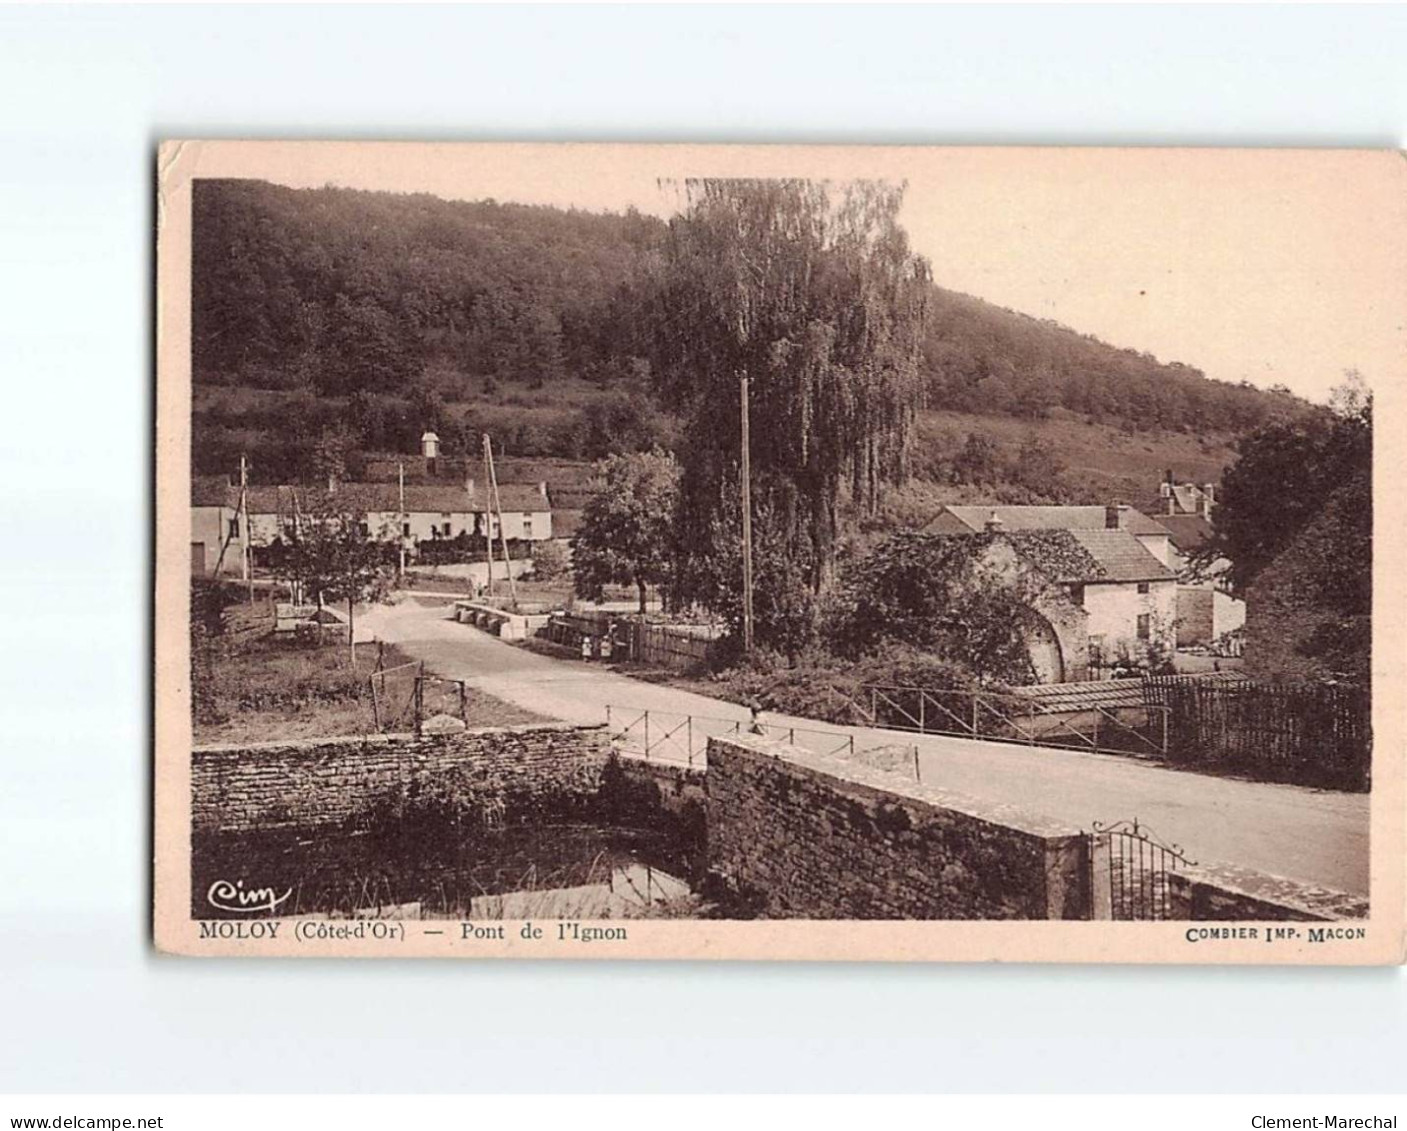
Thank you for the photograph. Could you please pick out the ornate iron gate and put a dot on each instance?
(1130, 870)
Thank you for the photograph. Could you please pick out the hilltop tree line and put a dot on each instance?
(340, 292)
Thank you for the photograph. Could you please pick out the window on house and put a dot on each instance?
(1145, 626)
(1077, 594)
(527, 526)
(364, 530)
(234, 528)
(405, 529)
(1143, 587)
(447, 534)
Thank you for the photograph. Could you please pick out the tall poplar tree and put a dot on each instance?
(810, 290)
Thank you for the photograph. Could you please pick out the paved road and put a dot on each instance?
(1310, 835)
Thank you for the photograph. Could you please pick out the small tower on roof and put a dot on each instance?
(429, 445)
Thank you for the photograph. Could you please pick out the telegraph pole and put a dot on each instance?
(488, 514)
(245, 551)
(502, 533)
(400, 534)
(747, 520)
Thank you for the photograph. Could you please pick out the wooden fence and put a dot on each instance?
(683, 647)
(669, 646)
(1310, 734)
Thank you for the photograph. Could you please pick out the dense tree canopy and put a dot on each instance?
(811, 292)
(347, 290)
(936, 594)
(1284, 476)
(395, 299)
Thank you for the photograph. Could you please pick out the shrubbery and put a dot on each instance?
(823, 686)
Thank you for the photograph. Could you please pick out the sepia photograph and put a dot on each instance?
(775, 552)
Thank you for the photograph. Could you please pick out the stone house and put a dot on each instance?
(1108, 593)
(1206, 611)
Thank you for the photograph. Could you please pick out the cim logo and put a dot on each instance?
(226, 896)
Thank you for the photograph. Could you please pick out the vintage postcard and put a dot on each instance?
(779, 552)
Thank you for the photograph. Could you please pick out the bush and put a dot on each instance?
(825, 687)
(549, 561)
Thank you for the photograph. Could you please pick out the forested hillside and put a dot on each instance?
(351, 320)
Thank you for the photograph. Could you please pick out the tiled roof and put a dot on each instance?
(212, 491)
(1121, 556)
(1088, 556)
(420, 498)
(1188, 531)
(952, 519)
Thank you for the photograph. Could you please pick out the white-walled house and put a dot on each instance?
(218, 530)
(432, 512)
(1110, 562)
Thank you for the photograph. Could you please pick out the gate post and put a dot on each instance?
(1101, 901)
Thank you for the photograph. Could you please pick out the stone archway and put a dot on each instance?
(1057, 637)
(1043, 646)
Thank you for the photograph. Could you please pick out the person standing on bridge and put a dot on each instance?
(755, 726)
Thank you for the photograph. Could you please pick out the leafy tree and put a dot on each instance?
(367, 348)
(333, 555)
(549, 561)
(1284, 475)
(627, 528)
(810, 291)
(617, 425)
(937, 594)
(979, 461)
(1038, 469)
(784, 604)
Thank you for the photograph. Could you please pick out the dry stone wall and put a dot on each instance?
(808, 836)
(328, 781)
(1225, 893)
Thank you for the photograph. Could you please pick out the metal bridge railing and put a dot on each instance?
(670, 736)
(1009, 717)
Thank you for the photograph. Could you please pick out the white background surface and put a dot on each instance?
(84, 1004)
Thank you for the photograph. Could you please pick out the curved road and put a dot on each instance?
(1315, 836)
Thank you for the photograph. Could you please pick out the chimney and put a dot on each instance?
(994, 523)
(542, 489)
(429, 445)
(469, 485)
(1116, 516)
(1208, 499)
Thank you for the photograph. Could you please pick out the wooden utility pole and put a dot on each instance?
(747, 519)
(502, 534)
(488, 513)
(401, 534)
(295, 586)
(245, 552)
